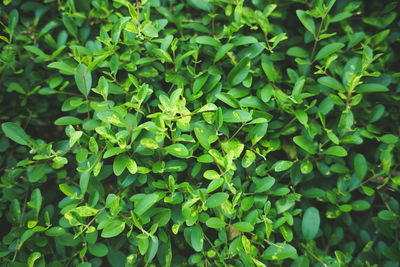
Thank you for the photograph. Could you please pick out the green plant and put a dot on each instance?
(207, 133)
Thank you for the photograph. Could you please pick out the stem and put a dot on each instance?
(138, 14)
(315, 256)
(317, 40)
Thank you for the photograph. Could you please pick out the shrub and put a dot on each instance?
(202, 133)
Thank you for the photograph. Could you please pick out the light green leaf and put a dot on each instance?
(197, 238)
(120, 163)
(217, 199)
(331, 83)
(215, 223)
(282, 165)
(243, 226)
(305, 144)
(178, 150)
(279, 251)
(328, 49)
(336, 151)
(68, 120)
(113, 228)
(145, 203)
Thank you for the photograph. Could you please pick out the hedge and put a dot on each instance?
(199, 133)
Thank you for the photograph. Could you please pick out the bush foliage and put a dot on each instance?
(199, 133)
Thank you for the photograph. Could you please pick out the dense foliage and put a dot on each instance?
(199, 133)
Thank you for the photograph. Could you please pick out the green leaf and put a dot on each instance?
(85, 211)
(243, 226)
(32, 258)
(145, 203)
(360, 166)
(296, 51)
(305, 144)
(153, 248)
(282, 165)
(263, 184)
(360, 205)
(336, 151)
(222, 51)
(178, 150)
(83, 79)
(310, 223)
(248, 158)
(389, 139)
(239, 72)
(331, 83)
(120, 163)
(268, 68)
(98, 249)
(15, 133)
(197, 238)
(68, 120)
(113, 228)
(371, 88)
(328, 49)
(211, 174)
(215, 223)
(36, 173)
(207, 40)
(217, 199)
(236, 116)
(279, 251)
(298, 86)
(306, 20)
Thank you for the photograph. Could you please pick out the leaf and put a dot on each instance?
(243, 226)
(298, 86)
(207, 40)
(263, 184)
(222, 51)
(310, 223)
(15, 133)
(279, 251)
(331, 83)
(228, 99)
(120, 163)
(215, 223)
(305, 144)
(360, 166)
(239, 72)
(282, 165)
(83, 79)
(336, 151)
(236, 116)
(68, 120)
(268, 68)
(145, 203)
(248, 158)
(113, 228)
(36, 173)
(98, 249)
(85, 211)
(178, 150)
(197, 238)
(328, 49)
(371, 88)
(360, 205)
(217, 199)
(153, 248)
(306, 20)
(211, 174)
